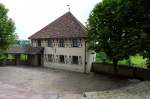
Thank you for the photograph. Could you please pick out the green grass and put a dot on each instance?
(10, 57)
(135, 61)
(23, 57)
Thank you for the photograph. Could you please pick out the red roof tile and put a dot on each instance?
(66, 26)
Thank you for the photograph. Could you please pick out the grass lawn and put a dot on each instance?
(23, 57)
(136, 61)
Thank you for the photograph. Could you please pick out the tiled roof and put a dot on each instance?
(24, 50)
(66, 26)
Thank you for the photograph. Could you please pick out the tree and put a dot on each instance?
(120, 28)
(7, 29)
(23, 43)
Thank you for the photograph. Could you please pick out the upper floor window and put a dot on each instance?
(75, 43)
(39, 43)
(61, 43)
(49, 43)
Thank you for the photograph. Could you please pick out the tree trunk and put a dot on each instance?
(115, 63)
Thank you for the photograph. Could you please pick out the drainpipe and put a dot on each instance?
(85, 62)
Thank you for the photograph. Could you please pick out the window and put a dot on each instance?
(75, 60)
(39, 43)
(49, 43)
(75, 43)
(49, 57)
(61, 43)
(61, 59)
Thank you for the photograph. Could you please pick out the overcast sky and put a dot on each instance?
(32, 15)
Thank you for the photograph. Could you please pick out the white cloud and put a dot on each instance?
(32, 15)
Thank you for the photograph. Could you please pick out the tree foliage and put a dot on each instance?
(120, 28)
(7, 29)
(23, 43)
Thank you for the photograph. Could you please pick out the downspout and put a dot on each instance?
(85, 62)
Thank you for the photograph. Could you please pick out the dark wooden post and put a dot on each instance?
(17, 58)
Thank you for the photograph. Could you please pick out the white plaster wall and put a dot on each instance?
(77, 68)
(91, 57)
(69, 52)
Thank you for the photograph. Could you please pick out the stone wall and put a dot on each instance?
(123, 70)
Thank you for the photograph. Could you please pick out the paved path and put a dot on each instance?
(43, 83)
(136, 91)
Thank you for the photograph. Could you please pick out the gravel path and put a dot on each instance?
(43, 83)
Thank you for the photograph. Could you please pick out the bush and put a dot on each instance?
(134, 61)
(2, 58)
(101, 57)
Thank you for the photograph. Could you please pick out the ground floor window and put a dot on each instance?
(75, 60)
(50, 58)
(61, 59)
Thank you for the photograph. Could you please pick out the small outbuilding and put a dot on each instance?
(24, 56)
